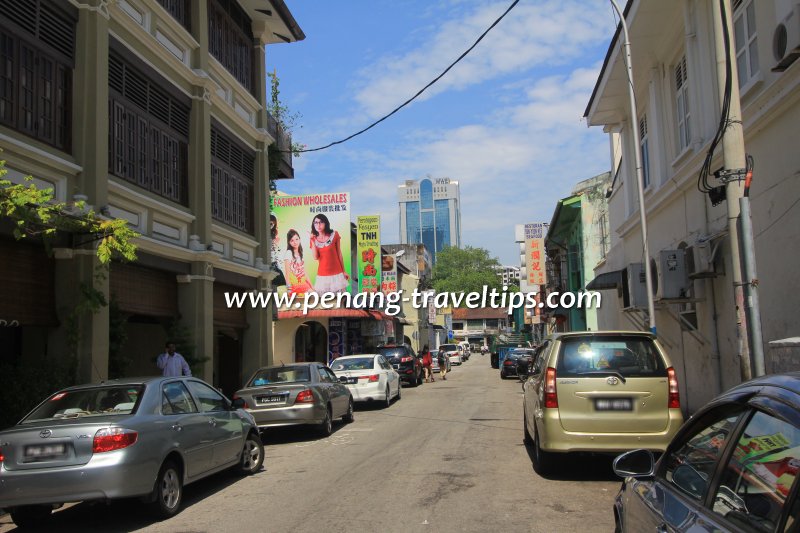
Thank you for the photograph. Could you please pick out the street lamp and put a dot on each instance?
(639, 174)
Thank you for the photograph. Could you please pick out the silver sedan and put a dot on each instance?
(297, 394)
(121, 438)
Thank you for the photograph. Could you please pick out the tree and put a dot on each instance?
(287, 122)
(465, 270)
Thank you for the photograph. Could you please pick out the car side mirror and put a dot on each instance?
(238, 403)
(342, 379)
(636, 464)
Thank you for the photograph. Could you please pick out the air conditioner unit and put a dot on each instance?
(786, 36)
(671, 275)
(634, 292)
(699, 263)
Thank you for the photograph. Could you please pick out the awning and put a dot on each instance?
(606, 281)
(335, 313)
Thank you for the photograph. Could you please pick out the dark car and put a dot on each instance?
(405, 361)
(734, 466)
(509, 365)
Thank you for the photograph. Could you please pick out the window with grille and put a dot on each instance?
(37, 49)
(232, 176)
(148, 132)
(746, 40)
(643, 144)
(230, 39)
(180, 11)
(682, 104)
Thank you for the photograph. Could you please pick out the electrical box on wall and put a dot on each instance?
(672, 278)
(635, 297)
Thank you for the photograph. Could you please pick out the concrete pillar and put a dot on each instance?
(196, 309)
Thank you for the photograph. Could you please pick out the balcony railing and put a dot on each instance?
(283, 144)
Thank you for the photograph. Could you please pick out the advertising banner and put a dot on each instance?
(311, 241)
(534, 253)
(368, 242)
(335, 338)
(389, 273)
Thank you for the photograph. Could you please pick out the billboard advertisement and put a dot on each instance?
(389, 273)
(311, 241)
(534, 254)
(368, 243)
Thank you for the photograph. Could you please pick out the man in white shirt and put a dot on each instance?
(172, 363)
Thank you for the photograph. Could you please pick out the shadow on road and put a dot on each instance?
(289, 434)
(580, 467)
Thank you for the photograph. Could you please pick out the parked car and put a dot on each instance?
(297, 394)
(405, 361)
(599, 391)
(122, 438)
(466, 352)
(733, 466)
(514, 358)
(453, 353)
(370, 377)
(524, 362)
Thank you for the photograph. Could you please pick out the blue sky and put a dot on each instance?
(506, 122)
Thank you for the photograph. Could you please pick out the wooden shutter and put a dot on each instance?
(144, 291)
(28, 275)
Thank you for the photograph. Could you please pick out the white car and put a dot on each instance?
(370, 377)
(453, 353)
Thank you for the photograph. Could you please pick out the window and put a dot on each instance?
(428, 230)
(232, 175)
(412, 223)
(175, 399)
(323, 375)
(682, 104)
(690, 465)
(180, 11)
(442, 224)
(210, 400)
(37, 47)
(230, 39)
(744, 27)
(643, 144)
(629, 355)
(148, 132)
(426, 194)
(759, 476)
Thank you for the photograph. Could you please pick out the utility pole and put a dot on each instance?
(733, 161)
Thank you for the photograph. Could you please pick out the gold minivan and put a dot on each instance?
(599, 391)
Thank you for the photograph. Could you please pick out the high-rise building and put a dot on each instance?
(430, 213)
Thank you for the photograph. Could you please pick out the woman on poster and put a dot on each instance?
(326, 248)
(294, 266)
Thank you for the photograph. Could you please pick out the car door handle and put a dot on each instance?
(177, 427)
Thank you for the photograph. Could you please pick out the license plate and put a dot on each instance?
(396, 366)
(271, 399)
(613, 404)
(41, 452)
(352, 380)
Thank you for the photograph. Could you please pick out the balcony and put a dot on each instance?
(280, 153)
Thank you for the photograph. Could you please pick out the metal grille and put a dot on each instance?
(44, 21)
(232, 170)
(180, 11)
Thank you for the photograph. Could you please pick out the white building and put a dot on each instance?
(430, 213)
(508, 274)
(678, 111)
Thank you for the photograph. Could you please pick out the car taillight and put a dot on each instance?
(305, 396)
(237, 397)
(406, 359)
(674, 398)
(372, 379)
(2, 457)
(110, 439)
(508, 362)
(550, 394)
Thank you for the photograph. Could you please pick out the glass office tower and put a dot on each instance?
(430, 213)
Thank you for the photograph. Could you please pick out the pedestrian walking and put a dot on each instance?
(172, 363)
(427, 364)
(442, 356)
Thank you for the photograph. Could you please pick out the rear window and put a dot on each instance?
(630, 355)
(281, 374)
(448, 347)
(98, 401)
(393, 351)
(360, 363)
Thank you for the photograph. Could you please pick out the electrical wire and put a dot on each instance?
(401, 106)
(748, 179)
(703, 184)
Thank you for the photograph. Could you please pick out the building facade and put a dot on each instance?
(509, 275)
(679, 93)
(430, 213)
(153, 111)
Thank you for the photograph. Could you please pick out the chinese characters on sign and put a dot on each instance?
(368, 235)
(534, 253)
(389, 273)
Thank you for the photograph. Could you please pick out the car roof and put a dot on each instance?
(357, 356)
(568, 334)
(299, 363)
(786, 385)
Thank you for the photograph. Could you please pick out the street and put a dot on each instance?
(448, 456)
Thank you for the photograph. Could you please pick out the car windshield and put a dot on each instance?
(627, 355)
(281, 374)
(95, 401)
(392, 351)
(356, 363)
(448, 347)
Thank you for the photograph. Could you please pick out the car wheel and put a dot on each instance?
(526, 435)
(326, 427)
(399, 390)
(168, 490)
(415, 381)
(388, 401)
(31, 516)
(543, 462)
(502, 375)
(252, 455)
(349, 416)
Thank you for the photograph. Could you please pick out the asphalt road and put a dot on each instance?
(448, 456)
